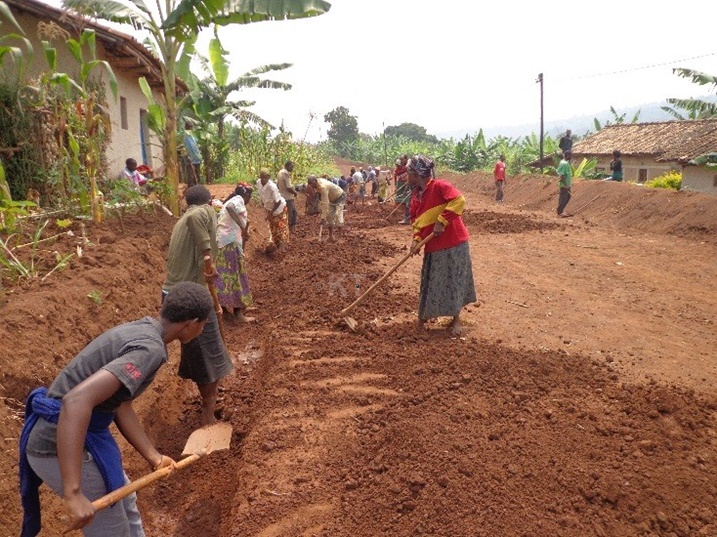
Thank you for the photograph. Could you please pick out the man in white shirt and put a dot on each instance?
(333, 199)
(276, 211)
(360, 182)
(288, 192)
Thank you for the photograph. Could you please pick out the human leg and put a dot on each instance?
(406, 213)
(499, 190)
(563, 200)
(340, 215)
(205, 360)
(122, 520)
(209, 401)
(293, 217)
(447, 283)
(279, 227)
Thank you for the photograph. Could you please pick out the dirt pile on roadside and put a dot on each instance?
(624, 206)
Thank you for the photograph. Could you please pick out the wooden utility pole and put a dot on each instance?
(542, 133)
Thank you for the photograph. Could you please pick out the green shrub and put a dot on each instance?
(671, 179)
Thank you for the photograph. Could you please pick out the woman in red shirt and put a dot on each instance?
(447, 273)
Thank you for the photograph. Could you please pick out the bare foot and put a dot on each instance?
(456, 327)
(244, 319)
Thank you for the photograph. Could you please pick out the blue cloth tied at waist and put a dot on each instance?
(99, 442)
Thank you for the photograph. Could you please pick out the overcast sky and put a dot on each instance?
(465, 64)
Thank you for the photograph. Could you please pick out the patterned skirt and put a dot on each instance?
(446, 282)
(233, 283)
(279, 227)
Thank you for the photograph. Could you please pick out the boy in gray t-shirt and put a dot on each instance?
(66, 442)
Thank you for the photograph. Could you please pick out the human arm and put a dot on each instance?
(285, 180)
(455, 204)
(130, 427)
(235, 215)
(276, 197)
(201, 226)
(75, 415)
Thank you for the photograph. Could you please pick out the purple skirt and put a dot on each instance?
(233, 283)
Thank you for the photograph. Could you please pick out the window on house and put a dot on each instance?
(123, 113)
(642, 175)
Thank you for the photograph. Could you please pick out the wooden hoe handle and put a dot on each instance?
(393, 269)
(134, 486)
(213, 291)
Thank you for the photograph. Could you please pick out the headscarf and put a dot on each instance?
(241, 189)
(421, 166)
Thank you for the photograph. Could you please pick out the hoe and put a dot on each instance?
(350, 321)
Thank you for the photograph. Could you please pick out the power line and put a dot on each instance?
(633, 69)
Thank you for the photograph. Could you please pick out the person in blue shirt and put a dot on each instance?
(193, 154)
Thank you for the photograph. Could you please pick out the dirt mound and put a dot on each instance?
(533, 423)
(491, 222)
(623, 206)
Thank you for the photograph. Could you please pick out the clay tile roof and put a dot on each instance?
(665, 141)
(125, 51)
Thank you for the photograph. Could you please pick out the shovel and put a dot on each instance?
(350, 321)
(200, 443)
(213, 291)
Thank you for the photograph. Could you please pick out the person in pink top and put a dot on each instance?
(130, 172)
(499, 176)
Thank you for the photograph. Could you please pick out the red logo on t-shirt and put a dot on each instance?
(133, 371)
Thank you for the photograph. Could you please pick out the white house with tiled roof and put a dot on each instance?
(651, 149)
(129, 59)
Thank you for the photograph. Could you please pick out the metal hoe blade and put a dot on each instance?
(207, 439)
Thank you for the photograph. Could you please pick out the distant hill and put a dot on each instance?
(580, 125)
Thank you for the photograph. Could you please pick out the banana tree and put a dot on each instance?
(174, 23)
(696, 108)
(211, 101)
(16, 53)
(618, 119)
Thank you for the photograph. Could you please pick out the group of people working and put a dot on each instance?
(66, 442)
(564, 171)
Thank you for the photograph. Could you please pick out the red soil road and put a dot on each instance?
(580, 401)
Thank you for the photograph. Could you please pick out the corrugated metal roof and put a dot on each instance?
(665, 141)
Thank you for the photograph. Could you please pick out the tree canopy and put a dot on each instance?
(344, 130)
(411, 131)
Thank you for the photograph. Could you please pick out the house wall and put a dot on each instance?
(631, 167)
(125, 142)
(700, 178)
